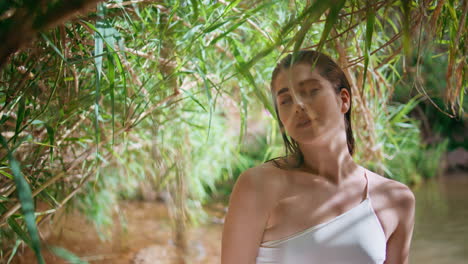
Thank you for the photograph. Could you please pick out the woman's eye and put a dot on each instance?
(313, 91)
(286, 101)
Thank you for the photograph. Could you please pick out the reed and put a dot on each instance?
(100, 99)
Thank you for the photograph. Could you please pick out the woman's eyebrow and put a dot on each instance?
(282, 90)
(301, 83)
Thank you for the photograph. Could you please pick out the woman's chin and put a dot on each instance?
(313, 135)
(305, 137)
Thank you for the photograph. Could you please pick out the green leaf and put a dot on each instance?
(397, 116)
(26, 200)
(19, 231)
(370, 16)
(51, 134)
(226, 32)
(3, 119)
(193, 98)
(67, 255)
(217, 25)
(98, 50)
(335, 8)
(111, 77)
(195, 9)
(312, 13)
(99, 40)
(20, 117)
(6, 174)
(13, 252)
(406, 26)
(231, 6)
(53, 46)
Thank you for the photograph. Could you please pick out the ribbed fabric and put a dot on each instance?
(354, 237)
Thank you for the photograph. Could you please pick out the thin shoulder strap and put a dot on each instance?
(367, 186)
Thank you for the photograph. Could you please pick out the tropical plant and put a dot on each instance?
(78, 91)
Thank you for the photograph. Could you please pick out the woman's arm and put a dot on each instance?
(251, 199)
(398, 245)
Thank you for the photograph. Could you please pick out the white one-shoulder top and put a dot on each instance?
(354, 237)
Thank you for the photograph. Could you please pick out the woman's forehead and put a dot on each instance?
(297, 74)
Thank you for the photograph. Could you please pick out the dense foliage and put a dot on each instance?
(166, 95)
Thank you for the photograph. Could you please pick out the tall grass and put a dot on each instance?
(129, 93)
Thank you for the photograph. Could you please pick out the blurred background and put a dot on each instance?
(125, 124)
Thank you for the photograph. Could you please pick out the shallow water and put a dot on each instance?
(440, 234)
(148, 239)
(441, 225)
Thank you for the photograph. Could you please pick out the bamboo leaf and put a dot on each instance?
(406, 26)
(226, 32)
(243, 102)
(3, 119)
(246, 15)
(311, 15)
(332, 18)
(217, 25)
(67, 255)
(193, 98)
(231, 6)
(27, 204)
(111, 77)
(98, 50)
(54, 47)
(397, 116)
(241, 67)
(20, 117)
(43, 144)
(51, 135)
(13, 252)
(19, 231)
(6, 174)
(370, 15)
(49, 198)
(317, 8)
(195, 9)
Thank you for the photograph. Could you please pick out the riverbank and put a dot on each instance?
(439, 235)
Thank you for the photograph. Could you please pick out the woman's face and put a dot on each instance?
(307, 103)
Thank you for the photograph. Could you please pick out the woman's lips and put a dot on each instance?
(303, 124)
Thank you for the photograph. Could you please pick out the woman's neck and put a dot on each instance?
(331, 160)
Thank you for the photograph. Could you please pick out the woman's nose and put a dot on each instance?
(299, 106)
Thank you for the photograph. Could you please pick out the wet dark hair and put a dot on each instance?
(329, 70)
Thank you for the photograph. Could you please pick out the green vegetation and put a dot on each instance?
(163, 95)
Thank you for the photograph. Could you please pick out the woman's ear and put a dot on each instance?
(345, 100)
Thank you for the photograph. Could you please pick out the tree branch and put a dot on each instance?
(29, 22)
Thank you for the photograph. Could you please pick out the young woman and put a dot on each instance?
(316, 205)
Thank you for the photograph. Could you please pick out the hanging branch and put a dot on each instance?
(31, 19)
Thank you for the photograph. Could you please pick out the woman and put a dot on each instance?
(316, 205)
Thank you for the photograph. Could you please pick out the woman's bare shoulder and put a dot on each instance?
(266, 173)
(266, 177)
(398, 193)
(263, 184)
